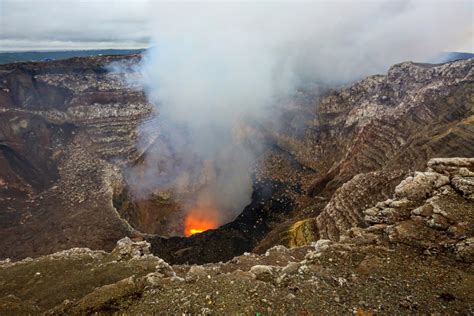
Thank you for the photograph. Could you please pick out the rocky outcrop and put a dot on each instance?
(428, 210)
(344, 210)
(127, 249)
(426, 213)
(101, 281)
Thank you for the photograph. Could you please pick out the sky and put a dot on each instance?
(93, 24)
(73, 24)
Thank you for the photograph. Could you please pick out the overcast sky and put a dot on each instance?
(70, 24)
(89, 24)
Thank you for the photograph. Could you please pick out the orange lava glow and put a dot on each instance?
(193, 231)
(199, 220)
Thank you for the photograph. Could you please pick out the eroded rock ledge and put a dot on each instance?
(431, 210)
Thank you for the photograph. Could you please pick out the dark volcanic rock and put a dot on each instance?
(269, 201)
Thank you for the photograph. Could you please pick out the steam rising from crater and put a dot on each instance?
(213, 66)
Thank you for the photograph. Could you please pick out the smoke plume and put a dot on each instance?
(214, 65)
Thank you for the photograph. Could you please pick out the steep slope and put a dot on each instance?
(65, 127)
(373, 133)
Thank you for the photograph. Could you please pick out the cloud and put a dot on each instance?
(39, 24)
(214, 65)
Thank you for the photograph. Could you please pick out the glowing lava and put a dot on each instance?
(193, 231)
(199, 220)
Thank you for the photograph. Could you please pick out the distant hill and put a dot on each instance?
(12, 57)
(450, 56)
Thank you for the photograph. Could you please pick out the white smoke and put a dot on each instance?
(215, 64)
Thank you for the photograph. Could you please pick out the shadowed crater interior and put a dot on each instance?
(269, 204)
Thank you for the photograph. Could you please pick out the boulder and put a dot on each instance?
(291, 268)
(164, 269)
(109, 297)
(128, 249)
(451, 166)
(195, 273)
(263, 272)
(464, 185)
(421, 185)
(465, 250)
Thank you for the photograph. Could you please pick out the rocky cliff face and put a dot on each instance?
(360, 141)
(66, 127)
(69, 128)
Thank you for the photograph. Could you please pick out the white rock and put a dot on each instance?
(321, 245)
(164, 268)
(291, 267)
(263, 272)
(421, 185)
(127, 249)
